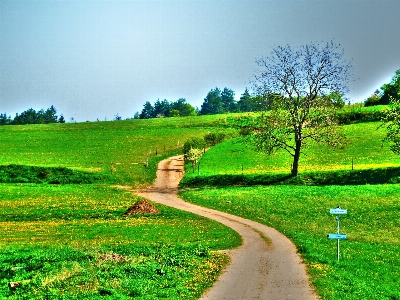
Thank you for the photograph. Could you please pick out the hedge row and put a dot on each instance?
(347, 177)
(33, 174)
(370, 114)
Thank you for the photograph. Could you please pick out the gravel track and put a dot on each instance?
(265, 266)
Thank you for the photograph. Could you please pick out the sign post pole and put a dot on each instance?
(338, 236)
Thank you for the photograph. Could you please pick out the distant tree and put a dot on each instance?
(5, 120)
(50, 115)
(136, 115)
(392, 123)
(161, 108)
(184, 108)
(245, 104)
(374, 99)
(29, 116)
(147, 111)
(61, 119)
(391, 90)
(174, 113)
(296, 82)
(212, 103)
(228, 100)
(117, 117)
(337, 99)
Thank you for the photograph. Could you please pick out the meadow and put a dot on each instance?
(64, 235)
(364, 150)
(369, 267)
(71, 241)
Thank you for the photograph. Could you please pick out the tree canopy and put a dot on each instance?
(391, 90)
(301, 86)
(392, 123)
(32, 116)
(161, 109)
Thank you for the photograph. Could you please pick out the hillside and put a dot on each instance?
(119, 147)
(369, 261)
(364, 150)
(64, 233)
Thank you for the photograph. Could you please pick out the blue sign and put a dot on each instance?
(337, 236)
(338, 211)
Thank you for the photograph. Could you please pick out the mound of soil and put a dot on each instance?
(141, 207)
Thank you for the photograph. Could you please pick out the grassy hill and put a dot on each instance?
(364, 150)
(369, 267)
(71, 241)
(119, 147)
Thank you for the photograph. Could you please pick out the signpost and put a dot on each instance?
(337, 236)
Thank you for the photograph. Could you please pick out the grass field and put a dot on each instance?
(364, 150)
(70, 241)
(121, 147)
(370, 263)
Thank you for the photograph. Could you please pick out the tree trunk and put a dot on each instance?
(296, 158)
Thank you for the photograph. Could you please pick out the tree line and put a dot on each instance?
(32, 116)
(217, 101)
(165, 108)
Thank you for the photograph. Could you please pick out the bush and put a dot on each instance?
(348, 177)
(33, 174)
(373, 100)
(357, 115)
(213, 139)
(193, 143)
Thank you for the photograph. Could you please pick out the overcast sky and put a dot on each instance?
(96, 59)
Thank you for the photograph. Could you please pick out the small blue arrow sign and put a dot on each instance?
(337, 236)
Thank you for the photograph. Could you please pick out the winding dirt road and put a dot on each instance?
(258, 269)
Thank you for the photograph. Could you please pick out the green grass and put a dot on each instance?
(370, 263)
(363, 151)
(120, 147)
(70, 241)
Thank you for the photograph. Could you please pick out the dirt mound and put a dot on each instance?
(141, 207)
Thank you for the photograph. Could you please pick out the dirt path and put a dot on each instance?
(258, 270)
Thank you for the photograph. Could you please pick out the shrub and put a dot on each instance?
(33, 174)
(193, 143)
(372, 100)
(370, 114)
(213, 139)
(342, 177)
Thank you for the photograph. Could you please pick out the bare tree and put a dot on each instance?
(301, 86)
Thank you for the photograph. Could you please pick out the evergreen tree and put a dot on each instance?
(228, 100)
(212, 103)
(245, 103)
(147, 111)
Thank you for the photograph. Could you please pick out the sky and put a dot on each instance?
(96, 59)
